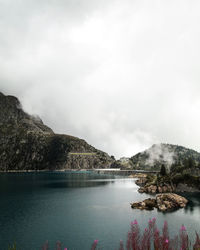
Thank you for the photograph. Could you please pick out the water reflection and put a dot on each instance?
(29, 181)
(75, 184)
(193, 204)
(83, 183)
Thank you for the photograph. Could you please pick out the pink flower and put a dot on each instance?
(146, 230)
(96, 241)
(166, 241)
(183, 228)
(134, 222)
(65, 248)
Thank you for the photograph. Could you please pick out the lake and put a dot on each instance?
(77, 208)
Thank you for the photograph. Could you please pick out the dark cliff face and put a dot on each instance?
(27, 144)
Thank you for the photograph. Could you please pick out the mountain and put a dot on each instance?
(28, 144)
(174, 157)
(179, 169)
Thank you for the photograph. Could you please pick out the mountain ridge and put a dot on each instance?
(170, 155)
(26, 143)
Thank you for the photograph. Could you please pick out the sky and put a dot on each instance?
(122, 75)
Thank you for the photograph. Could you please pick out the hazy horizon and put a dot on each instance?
(120, 75)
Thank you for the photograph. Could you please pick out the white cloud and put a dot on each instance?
(120, 74)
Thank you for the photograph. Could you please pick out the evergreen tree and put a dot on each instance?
(163, 170)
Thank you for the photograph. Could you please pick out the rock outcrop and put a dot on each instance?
(123, 163)
(27, 144)
(163, 202)
(153, 184)
(168, 202)
(147, 204)
(153, 189)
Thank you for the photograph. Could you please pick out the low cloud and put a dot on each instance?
(160, 153)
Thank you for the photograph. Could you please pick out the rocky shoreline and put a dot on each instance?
(164, 188)
(153, 189)
(155, 185)
(166, 199)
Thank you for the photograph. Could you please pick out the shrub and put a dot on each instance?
(152, 238)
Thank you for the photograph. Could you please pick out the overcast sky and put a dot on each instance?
(120, 74)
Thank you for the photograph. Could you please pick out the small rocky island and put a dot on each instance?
(163, 202)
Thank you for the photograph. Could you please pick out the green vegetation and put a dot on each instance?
(191, 180)
(173, 180)
(151, 179)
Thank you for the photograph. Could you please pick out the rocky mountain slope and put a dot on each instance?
(175, 158)
(178, 169)
(27, 144)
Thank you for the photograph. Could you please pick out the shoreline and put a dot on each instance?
(99, 171)
(45, 170)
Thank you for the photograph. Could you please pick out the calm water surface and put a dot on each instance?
(77, 208)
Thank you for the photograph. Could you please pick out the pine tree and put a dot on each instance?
(163, 170)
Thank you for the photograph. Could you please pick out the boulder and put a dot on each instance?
(141, 181)
(152, 189)
(147, 204)
(170, 201)
(141, 190)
